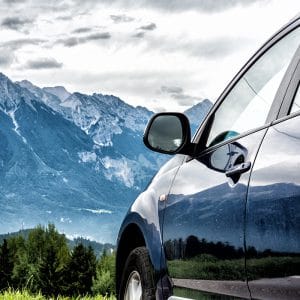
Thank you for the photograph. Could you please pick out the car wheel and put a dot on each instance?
(137, 280)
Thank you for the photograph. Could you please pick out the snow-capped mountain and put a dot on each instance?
(58, 91)
(197, 113)
(73, 159)
(100, 116)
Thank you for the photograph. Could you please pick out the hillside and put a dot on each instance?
(97, 247)
(74, 160)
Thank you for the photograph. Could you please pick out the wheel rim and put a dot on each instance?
(133, 287)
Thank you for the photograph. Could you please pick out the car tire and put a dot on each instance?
(137, 280)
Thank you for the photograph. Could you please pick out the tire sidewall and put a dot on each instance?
(138, 260)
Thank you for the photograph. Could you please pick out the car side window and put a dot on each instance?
(296, 102)
(248, 103)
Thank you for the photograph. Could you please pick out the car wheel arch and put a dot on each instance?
(131, 238)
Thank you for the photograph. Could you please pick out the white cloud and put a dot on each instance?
(6, 57)
(108, 47)
(16, 23)
(43, 63)
(98, 211)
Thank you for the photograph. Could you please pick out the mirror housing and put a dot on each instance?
(168, 133)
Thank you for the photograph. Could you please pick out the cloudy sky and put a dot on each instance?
(162, 54)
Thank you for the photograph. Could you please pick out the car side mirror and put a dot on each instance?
(168, 133)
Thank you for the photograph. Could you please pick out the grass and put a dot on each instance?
(210, 268)
(25, 295)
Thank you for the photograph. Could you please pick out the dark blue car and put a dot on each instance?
(221, 219)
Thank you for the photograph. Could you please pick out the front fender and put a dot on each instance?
(144, 219)
(144, 215)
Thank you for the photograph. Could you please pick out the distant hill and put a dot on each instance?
(97, 247)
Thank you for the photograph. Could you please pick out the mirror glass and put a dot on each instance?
(166, 133)
(227, 156)
(220, 158)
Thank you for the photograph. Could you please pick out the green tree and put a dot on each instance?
(21, 270)
(81, 270)
(104, 281)
(52, 258)
(40, 238)
(50, 273)
(23, 273)
(6, 266)
(40, 260)
(36, 244)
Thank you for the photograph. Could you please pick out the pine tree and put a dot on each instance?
(104, 281)
(81, 270)
(39, 261)
(6, 266)
(50, 273)
(54, 258)
(35, 244)
(21, 270)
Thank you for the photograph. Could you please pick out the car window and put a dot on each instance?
(296, 102)
(248, 103)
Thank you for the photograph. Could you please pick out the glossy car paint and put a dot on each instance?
(266, 249)
(145, 216)
(203, 232)
(273, 215)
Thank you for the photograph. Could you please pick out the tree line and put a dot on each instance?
(42, 262)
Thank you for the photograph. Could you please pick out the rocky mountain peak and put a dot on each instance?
(78, 163)
(197, 113)
(58, 91)
(12, 94)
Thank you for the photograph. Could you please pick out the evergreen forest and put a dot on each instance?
(41, 262)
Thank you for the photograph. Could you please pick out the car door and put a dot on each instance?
(204, 214)
(273, 205)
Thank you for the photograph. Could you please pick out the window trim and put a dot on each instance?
(231, 140)
(291, 90)
(277, 102)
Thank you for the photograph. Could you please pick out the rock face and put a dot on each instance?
(72, 159)
(197, 113)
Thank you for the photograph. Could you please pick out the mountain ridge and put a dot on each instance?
(78, 163)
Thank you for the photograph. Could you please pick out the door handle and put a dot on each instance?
(239, 169)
